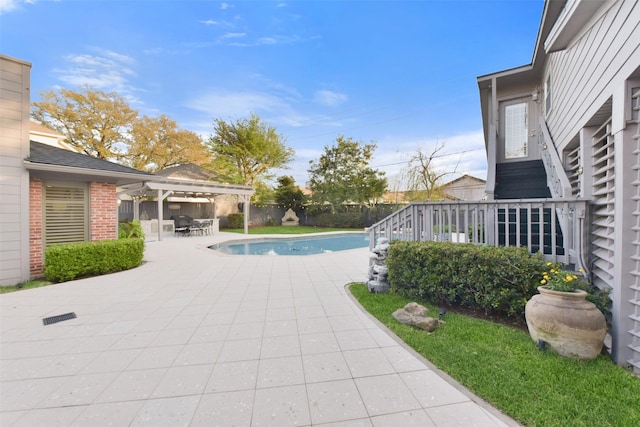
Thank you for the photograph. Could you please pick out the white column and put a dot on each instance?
(136, 208)
(492, 148)
(245, 206)
(160, 214)
(623, 239)
(161, 197)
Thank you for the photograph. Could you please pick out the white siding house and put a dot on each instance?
(14, 178)
(572, 117)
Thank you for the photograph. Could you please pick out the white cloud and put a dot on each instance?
(236, 104)
(105, 70)
(9, 5)
(273, 103)
(209, 22)
(329, 98)
(267, 40)
(225, 6)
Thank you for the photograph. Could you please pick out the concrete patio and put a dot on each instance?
(193, 337)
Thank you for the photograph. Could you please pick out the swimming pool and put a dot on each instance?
(295, 245)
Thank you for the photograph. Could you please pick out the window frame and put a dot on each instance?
(64, 203)
(521, 133)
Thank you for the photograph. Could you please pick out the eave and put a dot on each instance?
(69, 173)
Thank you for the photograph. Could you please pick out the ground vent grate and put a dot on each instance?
(59, 318)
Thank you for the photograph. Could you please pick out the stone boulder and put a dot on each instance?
(415, 314)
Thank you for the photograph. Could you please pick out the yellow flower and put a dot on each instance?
(543, 281)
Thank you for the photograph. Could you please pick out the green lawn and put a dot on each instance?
(24, 285)
(504, 366)
(299, 229)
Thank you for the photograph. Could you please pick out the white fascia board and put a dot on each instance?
(201, 188)
(573, 20)
(44, 167)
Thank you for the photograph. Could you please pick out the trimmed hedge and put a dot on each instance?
(68, 261)
(340, 220)
(236, 220)
(496, 280)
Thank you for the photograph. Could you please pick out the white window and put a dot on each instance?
(515, 131)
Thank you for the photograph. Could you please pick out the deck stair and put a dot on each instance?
(521, 180)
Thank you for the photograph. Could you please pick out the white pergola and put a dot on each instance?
(161, 188)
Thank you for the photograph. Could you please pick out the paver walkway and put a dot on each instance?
(193, 337)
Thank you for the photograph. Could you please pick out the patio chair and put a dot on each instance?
(197, 228)
(207, 227)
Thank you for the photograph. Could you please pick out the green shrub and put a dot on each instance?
(68, 261)
(130, 230)
(340, 220)
(236, 220)
(496, 280)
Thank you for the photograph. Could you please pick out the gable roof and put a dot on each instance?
(464, 177)
(189, 171)
(40, 133)
(50, 162)
(466, 187)
(40, 128)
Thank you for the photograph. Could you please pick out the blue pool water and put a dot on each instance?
(295, 245)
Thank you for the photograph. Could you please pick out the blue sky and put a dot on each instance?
(400, 73)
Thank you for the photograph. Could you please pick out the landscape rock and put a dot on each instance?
(415, 314)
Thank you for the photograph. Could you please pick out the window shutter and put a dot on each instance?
(65, 213)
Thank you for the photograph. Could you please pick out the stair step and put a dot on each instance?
(521, 180)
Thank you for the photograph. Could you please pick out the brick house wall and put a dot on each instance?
(103, 214)
(36, 246)
(103, 219)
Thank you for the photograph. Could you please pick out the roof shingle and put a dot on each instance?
(47, 154)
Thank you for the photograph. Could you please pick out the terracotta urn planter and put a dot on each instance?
(566, 322)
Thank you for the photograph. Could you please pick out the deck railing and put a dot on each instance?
(556, 227)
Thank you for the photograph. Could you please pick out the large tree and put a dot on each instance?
(247, 151)
(288, 194)
(94, 122)
(342, 174)
(422, 177)
(158, 143)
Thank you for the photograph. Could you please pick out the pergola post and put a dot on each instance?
(161, 197)
(245, 209)
(136, 208)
